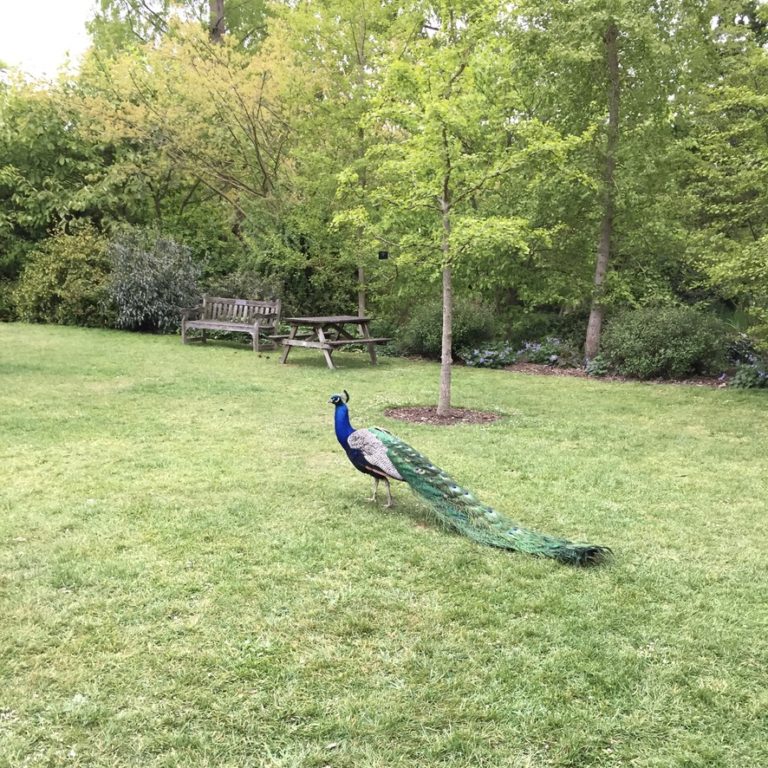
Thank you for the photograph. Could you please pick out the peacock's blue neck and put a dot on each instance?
(341, 423)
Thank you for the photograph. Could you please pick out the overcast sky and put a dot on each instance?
(36, 35)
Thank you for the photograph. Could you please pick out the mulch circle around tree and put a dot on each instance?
(428, 415)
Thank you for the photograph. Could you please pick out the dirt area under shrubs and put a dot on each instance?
(549, 370)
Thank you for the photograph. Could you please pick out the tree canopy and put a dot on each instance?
(541, 159)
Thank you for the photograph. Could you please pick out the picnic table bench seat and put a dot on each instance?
(347, 342)
(259, 319)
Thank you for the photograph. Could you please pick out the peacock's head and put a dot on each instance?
(339, 399)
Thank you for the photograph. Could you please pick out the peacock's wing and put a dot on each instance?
(374, 451)
(459, 508)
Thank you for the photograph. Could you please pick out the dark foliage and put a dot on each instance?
(422, 333)
(244, 284)
(750, 376)
(152, 279)
(597, 366)
(665, 342)
(550, 351)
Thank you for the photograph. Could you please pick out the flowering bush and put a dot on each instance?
(750, 376)
(597, 366)
(551, 351)
(489, 356)
(741, 349)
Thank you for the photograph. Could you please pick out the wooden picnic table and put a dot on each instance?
(328, 333)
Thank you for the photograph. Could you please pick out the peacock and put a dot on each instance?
(378, 453)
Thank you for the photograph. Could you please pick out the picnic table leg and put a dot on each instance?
(371, 347)
(321, 338)
(291, 336)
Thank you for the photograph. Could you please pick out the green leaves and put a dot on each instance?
(728, 167)
(65, 280)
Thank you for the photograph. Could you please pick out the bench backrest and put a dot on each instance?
(241, 310)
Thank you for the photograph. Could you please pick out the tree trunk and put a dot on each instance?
(604, 245)
(446, 359)
(362, 63)
(361, 291)
(217, 27)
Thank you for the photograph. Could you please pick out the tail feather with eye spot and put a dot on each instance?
(458, 508)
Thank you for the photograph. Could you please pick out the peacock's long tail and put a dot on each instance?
(458, 508)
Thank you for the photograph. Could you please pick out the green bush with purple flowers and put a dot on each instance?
(550, 351)
(489, 356)
(750, 376)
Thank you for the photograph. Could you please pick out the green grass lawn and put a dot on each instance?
(190, 574)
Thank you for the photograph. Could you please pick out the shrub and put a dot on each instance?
(519, 326)
(152, 279)
(385, 327)
(597, 366)
(750, 376)
(551, 351)
(244, 284)
(65, 280)
(489, 356)
(7, 300)
(422, 334)
(741, 349)
(669, 342)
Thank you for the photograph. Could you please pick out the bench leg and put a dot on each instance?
(183, 331)
(286, 347)
(255, 336)
(365, 333)
(204, 336)
(327, 352)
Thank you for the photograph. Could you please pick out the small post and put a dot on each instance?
(360, 291)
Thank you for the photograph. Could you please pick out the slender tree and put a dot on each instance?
(443, 142)
(605, 241)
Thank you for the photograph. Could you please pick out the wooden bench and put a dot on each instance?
(259, 319)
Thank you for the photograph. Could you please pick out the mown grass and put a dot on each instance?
(190, 574)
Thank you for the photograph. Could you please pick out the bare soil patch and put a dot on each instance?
(428, 415)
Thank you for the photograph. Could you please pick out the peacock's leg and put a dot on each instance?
(389, 503)
(375, 488)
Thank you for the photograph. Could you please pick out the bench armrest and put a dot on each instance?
(267, 322)
(191, 313)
